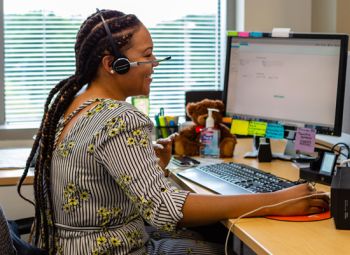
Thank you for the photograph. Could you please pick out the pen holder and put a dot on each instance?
(165, 131)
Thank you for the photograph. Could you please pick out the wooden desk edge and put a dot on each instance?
(11, 177)
(245, 238)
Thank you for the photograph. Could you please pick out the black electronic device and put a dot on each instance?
(283, 80)
(184, 161)
(264, 152)
(328, 163)
(324, 173)
(340, 198)
(121, 64)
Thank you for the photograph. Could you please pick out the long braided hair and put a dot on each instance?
(91, 46)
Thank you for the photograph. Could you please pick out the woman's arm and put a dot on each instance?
(163, 150)
(205, 209)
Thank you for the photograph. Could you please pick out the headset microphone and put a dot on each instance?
(121, 64)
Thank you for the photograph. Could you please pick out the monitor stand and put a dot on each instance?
(288, 154)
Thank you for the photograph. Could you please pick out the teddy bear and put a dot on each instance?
(188, 141)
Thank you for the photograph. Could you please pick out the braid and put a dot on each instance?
(91, 44)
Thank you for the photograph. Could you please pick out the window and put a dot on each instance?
(39, 37)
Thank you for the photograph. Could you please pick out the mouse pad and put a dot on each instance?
(303, 218)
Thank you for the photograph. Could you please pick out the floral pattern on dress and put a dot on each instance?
(145, 206)
(74, 196)
(108, 216)
(168, 227)
(138, 137)
(115, 126)
(91, 148)
(106, 245)
(134, 239)
(103, 104)
(64, 149)
(49, 217)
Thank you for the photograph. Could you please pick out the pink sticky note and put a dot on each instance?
(305, 139)
(243, 34)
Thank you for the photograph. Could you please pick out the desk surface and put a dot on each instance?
(266, 236)
(12, 163)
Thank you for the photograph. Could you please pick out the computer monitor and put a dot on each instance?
(296, 81)
(346, 114)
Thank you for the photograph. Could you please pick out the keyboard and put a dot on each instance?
(234, 178)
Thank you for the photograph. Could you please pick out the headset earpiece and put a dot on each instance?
(121, 65)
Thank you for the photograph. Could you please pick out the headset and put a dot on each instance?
(121, 64)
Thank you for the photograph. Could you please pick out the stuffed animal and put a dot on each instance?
(188, 141)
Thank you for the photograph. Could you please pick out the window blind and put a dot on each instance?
(39, 52)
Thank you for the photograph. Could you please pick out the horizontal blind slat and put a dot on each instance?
(39, 52)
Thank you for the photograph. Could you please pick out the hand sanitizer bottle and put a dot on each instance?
(210, 137)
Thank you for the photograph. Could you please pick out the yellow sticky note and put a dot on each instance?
(257, 128)
(239, 127)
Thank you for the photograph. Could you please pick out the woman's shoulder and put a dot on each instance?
(109, 109)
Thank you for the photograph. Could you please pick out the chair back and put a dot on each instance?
(6, 245)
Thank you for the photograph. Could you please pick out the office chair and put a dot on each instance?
(10, 240)
(198, 95)
(6, 244)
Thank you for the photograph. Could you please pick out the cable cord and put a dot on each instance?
(263, 207)
(341, 147)
(344, 162)
(333, 148)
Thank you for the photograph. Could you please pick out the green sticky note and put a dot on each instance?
(257, 128)
(239, 127)
(232, 33)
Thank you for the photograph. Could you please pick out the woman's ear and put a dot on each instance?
(107, 64)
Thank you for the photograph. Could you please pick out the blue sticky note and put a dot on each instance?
(275, 131)
(305, 139)
(256, 34)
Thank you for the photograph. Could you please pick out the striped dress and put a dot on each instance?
(106, 184)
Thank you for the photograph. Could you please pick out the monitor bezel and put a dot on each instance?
(344, 38)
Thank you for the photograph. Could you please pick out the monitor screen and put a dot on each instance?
(297, 81)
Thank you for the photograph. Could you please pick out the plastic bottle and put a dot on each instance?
(210, 137)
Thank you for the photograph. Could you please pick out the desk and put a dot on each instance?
(265, 236)
(12, 162)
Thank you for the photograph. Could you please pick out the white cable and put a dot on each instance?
(345, 161)
(263, 207)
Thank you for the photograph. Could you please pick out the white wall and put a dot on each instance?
(324, 16)
(264, 15)
(13, 205)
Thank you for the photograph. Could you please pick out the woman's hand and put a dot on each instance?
(317, 202)
(163, 149)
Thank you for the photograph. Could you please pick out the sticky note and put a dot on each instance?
(256, 34)
(257, 128)
(232, 33)
(275, 131)
(239, 127)
(227, 120)
(305, 139)
(243, 34)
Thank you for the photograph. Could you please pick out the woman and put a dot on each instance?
(97, 176)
